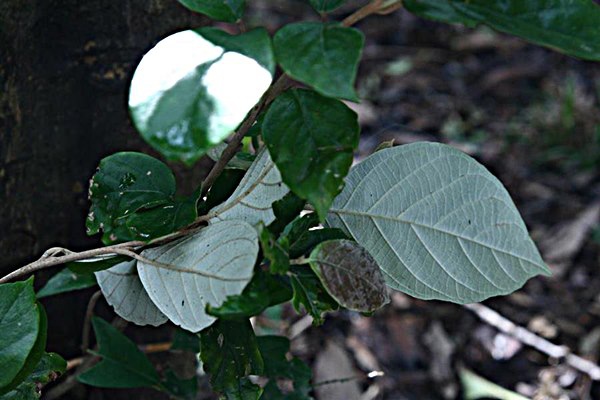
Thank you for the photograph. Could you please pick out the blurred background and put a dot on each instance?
(530, 115)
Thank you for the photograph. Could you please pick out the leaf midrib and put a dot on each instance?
(396, 219)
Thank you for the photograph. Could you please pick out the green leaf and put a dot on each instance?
(123, 365)
(19, 327)
(204, 268)
(191, 103)
(95, 264)
(276, 251)
(302, 239)
(438, 223)
(222, 189)
(324, 6)
(263, 291)
(286, 210)
(255, 44)
(221, 10)
(67, 281)
(48, 369)
(350, 275)
(164, 219)
(252, 200)
(572, 27)
(240, 161)
(123, 290)
(35, 355)
(476, 387)
(229, 353)
(186, 389)
(185, 340)
(274, 350)
(437, 10)
(311, 139)
(125, 183)
(324, 56)
(310, 294)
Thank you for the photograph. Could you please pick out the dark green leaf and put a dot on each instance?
(324, 56)
(310, 293)
(263, 291)
(324, 6)
(185, 340)
(276, 251)
(255, 44)
(285, 211)
(243, 390)
(572, 27)
(123, 365)
(350, 275)
(223, 187)
(67, 281)
(163, 219)
(221, 10)
(229, 353)
(124, 183)
(311, 139)
(96, 264)
(438, 10)
(191, 103)
(48, 369)
(274, 350)
(185, 389)
(19, 327)
(302, 239)
(35, 355)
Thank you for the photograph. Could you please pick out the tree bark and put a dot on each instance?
(65, 66)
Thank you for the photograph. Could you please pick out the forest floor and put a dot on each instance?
(532, 117)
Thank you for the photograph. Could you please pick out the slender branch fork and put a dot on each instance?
(58, 255)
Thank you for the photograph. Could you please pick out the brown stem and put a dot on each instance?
(87, 322)
(233, 146)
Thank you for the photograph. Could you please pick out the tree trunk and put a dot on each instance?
(65, 66)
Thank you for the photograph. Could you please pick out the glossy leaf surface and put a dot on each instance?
(125, 183)
(229, 353)
(193, 101)
(311, 139)
(324, 56)
(19, 327)
(438, 223)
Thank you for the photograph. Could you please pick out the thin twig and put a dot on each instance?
(232, 147)
(531, 339)
(372, 7)
(87, 322)
(50, 260)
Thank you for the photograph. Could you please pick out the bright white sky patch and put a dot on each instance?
(237, 83)
(168, 62)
